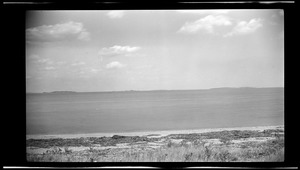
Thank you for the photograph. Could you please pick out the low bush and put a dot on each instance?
(190, 149)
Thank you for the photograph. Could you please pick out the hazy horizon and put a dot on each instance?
(155, 90)
(144, 50)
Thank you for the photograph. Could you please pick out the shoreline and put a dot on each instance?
(160, 133)
(235, 144)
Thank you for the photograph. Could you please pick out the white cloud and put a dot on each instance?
(59, 32)
(118, 50)
(36, 59)
(88, 71)
(207, 24)
(114, 64)
(244, 27)
(115, 14)
(121, 49)
(50, 68)
(44, 61)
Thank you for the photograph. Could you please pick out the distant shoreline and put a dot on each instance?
(61, 92)
(145, 133)
(158, 90)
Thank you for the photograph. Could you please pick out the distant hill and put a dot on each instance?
(60, 92)
(218, 89)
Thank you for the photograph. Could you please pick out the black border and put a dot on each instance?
(15, 113)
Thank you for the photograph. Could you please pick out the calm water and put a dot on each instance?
(153, 110)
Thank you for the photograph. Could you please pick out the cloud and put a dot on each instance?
(117, 50)
(40, 60)
(115, 14)
(121, 49)
(45, 61)
(114, 64)
(87, 71)
(207, 24)
(50, 68)
(244, 27)
(58, 32)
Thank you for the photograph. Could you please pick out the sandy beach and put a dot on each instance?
(156, 133)
(236, 144)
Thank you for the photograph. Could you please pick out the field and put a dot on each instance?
(264, 145)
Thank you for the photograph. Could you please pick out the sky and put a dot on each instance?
(118, 50)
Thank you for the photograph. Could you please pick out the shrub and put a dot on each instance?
(184, 144)
(225, 140)
(223, 156)
(67, 150)
(187, 157)
(170, 144)
(276, 157)
(92, 150)
(272, 150)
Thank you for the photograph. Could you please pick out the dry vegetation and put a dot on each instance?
(224, 146)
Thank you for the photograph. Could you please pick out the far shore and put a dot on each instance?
(151, 133)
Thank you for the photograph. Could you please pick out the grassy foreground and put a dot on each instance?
(223, 146)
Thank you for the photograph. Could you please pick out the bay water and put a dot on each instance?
(132, 111)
